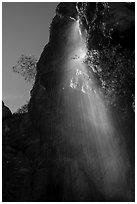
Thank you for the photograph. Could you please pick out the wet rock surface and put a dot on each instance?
(50, 153)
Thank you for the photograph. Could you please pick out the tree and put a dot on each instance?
(26, 67)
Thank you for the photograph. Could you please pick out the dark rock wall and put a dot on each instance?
(5, 111)
(39, 161)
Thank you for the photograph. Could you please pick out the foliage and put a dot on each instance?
(115, 70)
(110, 44)
(26, 67)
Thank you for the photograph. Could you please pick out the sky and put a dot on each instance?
(25, 30)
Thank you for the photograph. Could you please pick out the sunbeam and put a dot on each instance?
(89, 125)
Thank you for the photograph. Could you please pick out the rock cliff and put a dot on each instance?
(55, 152)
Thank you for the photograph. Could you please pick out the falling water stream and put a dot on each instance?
(78, 153)
(88, 129)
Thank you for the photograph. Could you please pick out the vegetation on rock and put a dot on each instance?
(115, 70)
(111, 54)
(34, 142)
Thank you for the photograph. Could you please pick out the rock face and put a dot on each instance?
(109, 23)
(66, 147)
(5, 111)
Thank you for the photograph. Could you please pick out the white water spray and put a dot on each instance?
(89, 127)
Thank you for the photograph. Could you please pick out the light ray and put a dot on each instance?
(90, 126)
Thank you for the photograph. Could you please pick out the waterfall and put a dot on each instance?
(85, 154)
(91, 139)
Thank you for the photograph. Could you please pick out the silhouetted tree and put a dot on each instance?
(26, 67)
